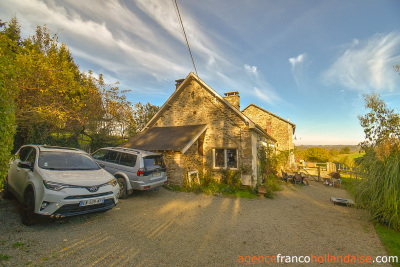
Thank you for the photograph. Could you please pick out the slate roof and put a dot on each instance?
(181, 86)
(266, 111)
(173, 138)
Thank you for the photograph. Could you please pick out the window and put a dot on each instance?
(32, 156)
(225, 158)
(231, 156)
(153, 162)
(24, 152)
(127, 159)
(99, 154)
(219, 158)
(66, 161)
(111, 156)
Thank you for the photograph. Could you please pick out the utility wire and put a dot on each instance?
(178, 14)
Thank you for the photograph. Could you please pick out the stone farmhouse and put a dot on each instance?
(198, 130)
(282, 130)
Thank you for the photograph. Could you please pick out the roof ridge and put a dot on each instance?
(269, 112)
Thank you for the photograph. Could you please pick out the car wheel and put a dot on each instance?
(123, 190)
(28, 213)
(6, 192)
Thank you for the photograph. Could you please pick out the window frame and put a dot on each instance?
(133, 164)
(106, 159)
(225, 167)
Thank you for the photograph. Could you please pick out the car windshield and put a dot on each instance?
(153, 162)
(66, 161)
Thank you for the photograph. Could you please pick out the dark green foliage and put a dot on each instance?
(9, 42)
(103, 140)
(380, 123)
(213, 187)
(269, 164)
(142, 114)
(46, 99)
(379, 191)
(391, 240)
(231, 177)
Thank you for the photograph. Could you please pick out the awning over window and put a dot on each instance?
(174, 138)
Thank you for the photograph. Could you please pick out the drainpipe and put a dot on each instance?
(290, 154)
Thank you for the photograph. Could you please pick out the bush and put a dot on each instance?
(379, 191)
(231, 178)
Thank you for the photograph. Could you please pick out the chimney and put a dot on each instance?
(178, 82)
(233, 98)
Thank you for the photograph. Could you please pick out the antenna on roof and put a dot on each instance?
(178, 14)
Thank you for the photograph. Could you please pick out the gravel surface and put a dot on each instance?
(184, 229)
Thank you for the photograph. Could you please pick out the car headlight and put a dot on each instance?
(113, 182)
(54, 186)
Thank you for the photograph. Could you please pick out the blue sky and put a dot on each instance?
(309, 61)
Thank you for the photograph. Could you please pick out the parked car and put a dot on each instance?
(59, 182)
(134, 169)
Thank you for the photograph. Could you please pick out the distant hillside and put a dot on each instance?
(353, 149)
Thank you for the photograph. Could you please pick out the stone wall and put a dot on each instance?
(174, 163)
(225, 128)
(280, 129)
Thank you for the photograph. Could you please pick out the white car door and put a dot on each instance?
(22, 175)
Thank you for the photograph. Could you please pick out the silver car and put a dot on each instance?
(134, 169)
(59, 182)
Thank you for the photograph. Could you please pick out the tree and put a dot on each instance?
(142, 114)
(379, 190)
(317, 154)
(54, 99)
(380, 123)
(345, 150)
(56, 103)
(349, 162)
(333, 152)
(299, 154)
(9, 43)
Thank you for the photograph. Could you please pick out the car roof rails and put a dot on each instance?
(59, 147)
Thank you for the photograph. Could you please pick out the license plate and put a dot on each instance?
(91, 202)
(156, 174)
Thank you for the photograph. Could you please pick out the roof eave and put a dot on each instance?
(194, 139)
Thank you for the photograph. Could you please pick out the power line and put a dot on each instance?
(178, 14)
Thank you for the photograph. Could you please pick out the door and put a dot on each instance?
(21, 175)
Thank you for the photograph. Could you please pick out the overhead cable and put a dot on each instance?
(183, 31)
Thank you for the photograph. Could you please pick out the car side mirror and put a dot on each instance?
(25, 165)
(102, 165)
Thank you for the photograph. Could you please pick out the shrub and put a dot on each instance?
(379, 191)
(231, 178)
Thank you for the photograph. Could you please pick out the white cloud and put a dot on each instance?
(297, 68)
(268, 95)
(367, 65)
(107, 35)
(262, 95)
(298, 60)
(251, 69)
(164, 14)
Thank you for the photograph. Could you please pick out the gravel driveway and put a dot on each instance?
(182, 229)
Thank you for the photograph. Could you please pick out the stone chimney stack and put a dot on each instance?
(178, 82)
(233, 98)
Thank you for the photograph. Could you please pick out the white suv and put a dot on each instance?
(59, 182)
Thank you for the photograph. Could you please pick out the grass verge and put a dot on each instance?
(389, 237)
(216, 189)
(350, 184)
(391, 240)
